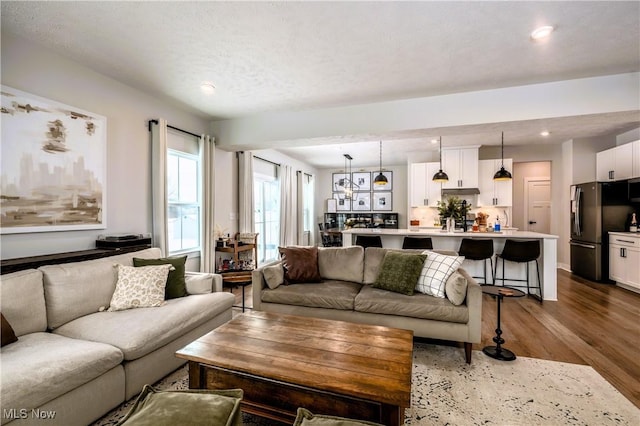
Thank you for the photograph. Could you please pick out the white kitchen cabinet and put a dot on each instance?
(635, 163)
(494, 193)
(461, 165)
(423, 191)
(624, 259)
(615, 163)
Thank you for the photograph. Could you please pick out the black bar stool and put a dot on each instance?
(521, 251)
(417, 243)
(368, 241)
(478, 249)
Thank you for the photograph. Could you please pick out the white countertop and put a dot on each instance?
(440, 233)
(626, 234)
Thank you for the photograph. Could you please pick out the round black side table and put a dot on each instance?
(498, 352)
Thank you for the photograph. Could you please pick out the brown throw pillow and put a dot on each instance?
(300, 264)
(8, 335)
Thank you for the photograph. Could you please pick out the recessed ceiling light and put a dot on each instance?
(434, 141)
(545, 133)
(207, 87)
(541, 32)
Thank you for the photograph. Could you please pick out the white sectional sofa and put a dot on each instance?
(73, 360)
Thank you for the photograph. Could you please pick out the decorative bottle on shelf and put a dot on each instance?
(496, 227)
(634, 223)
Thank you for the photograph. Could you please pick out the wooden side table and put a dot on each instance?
(232, 279)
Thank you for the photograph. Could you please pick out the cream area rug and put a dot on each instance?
(447, 391)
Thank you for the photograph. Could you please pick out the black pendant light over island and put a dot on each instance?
(502, 174)
(380, 179)
(440, 176)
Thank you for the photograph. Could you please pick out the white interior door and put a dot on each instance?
(538, 205)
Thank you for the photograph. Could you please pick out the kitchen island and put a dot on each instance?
(442, 240)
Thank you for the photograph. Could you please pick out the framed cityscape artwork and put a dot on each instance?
(382, 201)
(53, 165)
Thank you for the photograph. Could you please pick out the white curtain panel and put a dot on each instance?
(208, 161)
(159, 185)
(300, 207)
(246, 206)
(288, 207)
(312, 213)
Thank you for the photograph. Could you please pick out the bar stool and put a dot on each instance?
(368, 241)
(417, 243)
(478, 249)
(521, 251)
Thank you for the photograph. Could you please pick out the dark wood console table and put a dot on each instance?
(32, 262)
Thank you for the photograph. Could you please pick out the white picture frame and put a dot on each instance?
(361, 201)
(342, 204)
(362, 179)
(382, 201)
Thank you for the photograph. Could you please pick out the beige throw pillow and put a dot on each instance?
(456, 288)
(273, 275)
(139, 287)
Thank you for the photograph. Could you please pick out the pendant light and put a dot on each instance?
(502, 174)
(380, 179)
(441, 176)
(348, 189)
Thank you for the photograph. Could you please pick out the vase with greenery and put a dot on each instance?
(451, 206)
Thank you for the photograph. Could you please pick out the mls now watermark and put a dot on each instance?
(23, 413)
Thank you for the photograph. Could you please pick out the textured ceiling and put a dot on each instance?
(288, 56)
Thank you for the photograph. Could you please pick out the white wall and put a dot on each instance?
(33, 69)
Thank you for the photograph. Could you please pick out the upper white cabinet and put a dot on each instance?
(615, 163)
(461, 165)
(423, 191)
(494, 193)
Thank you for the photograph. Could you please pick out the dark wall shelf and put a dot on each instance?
(34, 262)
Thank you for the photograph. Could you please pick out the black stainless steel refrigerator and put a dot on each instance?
(596, 209)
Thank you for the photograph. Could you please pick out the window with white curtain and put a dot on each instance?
(266, 193)
(184, 193)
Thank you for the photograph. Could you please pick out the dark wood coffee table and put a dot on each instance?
(283, 362)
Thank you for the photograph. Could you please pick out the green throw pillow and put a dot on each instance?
(306, 418)
(399, 272)
(185, 407)
(176, 285)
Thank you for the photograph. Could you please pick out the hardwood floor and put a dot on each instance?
(591, 324)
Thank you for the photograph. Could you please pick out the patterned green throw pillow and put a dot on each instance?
(399, 272)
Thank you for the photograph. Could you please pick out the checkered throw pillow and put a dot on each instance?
(435, 272)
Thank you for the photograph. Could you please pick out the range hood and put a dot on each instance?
(460, 191)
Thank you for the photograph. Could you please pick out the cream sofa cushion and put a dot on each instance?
(22, 301)
(341, 263)
(378, 301)
(328, 294)
(158, 326)
(73, 290)
(42, 366)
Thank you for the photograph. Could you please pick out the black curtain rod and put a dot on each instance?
(174, 128)
(268, 161)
